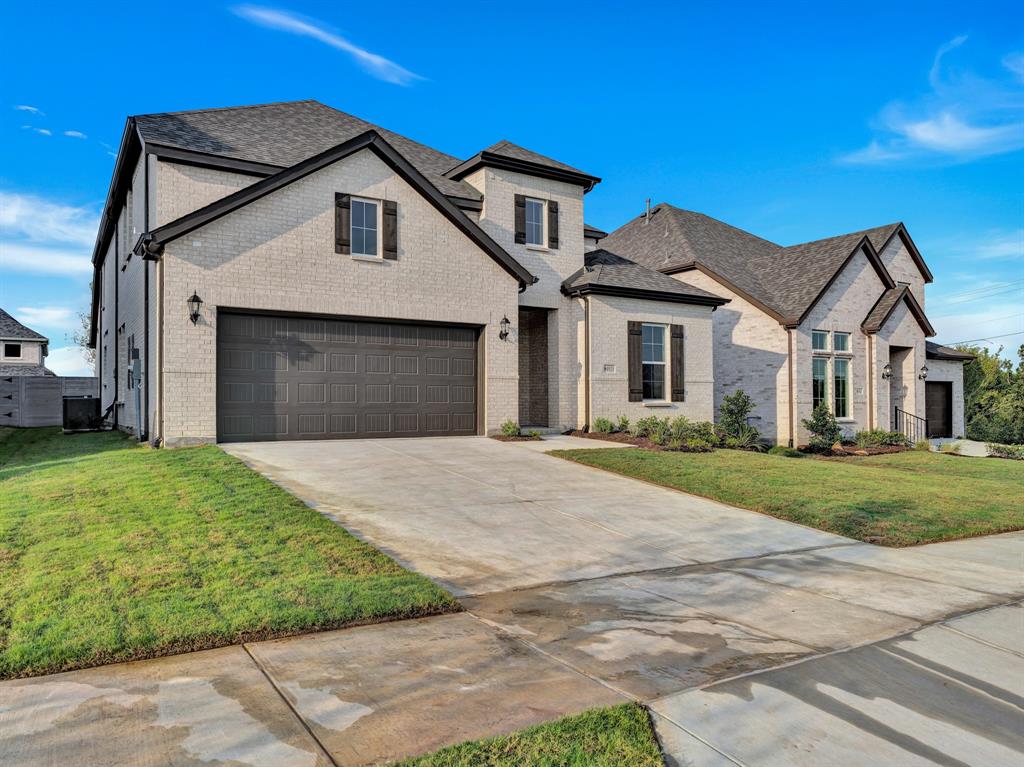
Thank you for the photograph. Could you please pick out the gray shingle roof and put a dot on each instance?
(607, 272)
(286, 133)
(11, 329)
(936, 351)
(508, 149)
(883, 308)
(786, 280)
(25, 370)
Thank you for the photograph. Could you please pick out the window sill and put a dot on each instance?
(538, 248)
(846, 420)
(371, 259)
(657, 403)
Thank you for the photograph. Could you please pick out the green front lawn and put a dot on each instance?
(110, 552)
(900, 499)
(603, 737)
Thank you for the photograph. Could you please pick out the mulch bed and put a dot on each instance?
(853, 450)
(520, 438)
(624, 438)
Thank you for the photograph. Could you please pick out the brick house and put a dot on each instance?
(288, 271)
(22, 350)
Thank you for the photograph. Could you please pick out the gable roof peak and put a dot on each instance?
(11, 329)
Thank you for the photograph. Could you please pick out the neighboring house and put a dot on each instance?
(838, 321)
(288, 271)
(22, 350)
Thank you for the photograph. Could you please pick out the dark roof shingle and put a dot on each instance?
(10, 328)
(25, 370)
(609, 273)
(786, 280)
(286, 133)
(934, 351)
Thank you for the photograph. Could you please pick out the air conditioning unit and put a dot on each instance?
(82, 414)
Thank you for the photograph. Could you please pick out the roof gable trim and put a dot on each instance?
(492, 160)
(729, 286)
(906, 297)
(872, 256)
(915, 254)
(151, 245)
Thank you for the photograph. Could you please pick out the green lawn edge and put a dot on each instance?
(600, 737)
(112, 552)
(900, 499)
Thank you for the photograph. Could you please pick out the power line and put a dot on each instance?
(984, 288)
(989, 338)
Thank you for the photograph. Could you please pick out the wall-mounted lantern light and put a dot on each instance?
(503, 333)
(194, 303)
(924, 372)
(887, 371)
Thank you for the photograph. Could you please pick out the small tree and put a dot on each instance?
(824, 428)
(732, 415)
(80, 337)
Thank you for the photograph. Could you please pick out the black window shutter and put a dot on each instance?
(676, 354)
(552, 224)
(520, 219)
(342, 223)
(390, 230)
(635, 357)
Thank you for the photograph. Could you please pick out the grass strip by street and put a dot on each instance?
(603, 737)
(901, 499)
(112, 552)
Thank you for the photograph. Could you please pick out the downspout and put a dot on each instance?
(587, 405)
(145, 302)
(871, 382)
(792, 441)
(160, 349)
(117, 283)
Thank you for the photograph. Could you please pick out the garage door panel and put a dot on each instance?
(326, 378)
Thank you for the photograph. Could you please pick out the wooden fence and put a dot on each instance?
(39, 400)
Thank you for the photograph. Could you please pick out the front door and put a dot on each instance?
(938, 408)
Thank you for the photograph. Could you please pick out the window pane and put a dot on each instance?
(371, 242)
(841, 341)
(654, 381)
(370, 215)
(357, 240)
(841, 371)
(534, 222)
(819, 383)
(357, 213)
(819, 340)
(653, 343)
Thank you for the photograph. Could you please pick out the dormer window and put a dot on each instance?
(534, 222)
(12, 351)
(364, 227)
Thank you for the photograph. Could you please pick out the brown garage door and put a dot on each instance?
(293, 378)
(938, 408)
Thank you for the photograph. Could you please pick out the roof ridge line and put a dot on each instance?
(239, 106)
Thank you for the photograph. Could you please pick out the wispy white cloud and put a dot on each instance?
(286, 21)
(40, 220)
(27, 108)
(69, 361)
(60, 317)
(43, 131)
(74, 134)
(961, 117)
(34, 259)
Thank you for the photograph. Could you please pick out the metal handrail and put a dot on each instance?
(914, 427)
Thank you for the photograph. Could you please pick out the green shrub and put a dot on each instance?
(923, 445)
(643, 426)
(623, 424)
(881, 438)
(1014, 452)
(700, 445)
(680, 428)
(510, 429)
(732, 415)
(533, 434)
(702, 431)
(748, 439)
(603, 426)
(788, 452)
(824, 428)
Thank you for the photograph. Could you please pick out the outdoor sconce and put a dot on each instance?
(503, 333)
(194, 302)
(887, 371)
(924, 372)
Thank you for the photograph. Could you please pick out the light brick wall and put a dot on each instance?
(31, 353)
(843, 307)
(278, 254)
(751, 350)
(609, 363)
(904, 389)
(902, 268)
(181, 189)
(949, 370)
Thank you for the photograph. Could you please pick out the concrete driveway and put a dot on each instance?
(752, 640)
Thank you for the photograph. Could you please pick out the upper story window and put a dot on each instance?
(12, 351)
(365, 228)
(653, 358)
(534, 222)
(819, 340)
(841, 342)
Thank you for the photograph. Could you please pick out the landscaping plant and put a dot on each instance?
(603, 426)
(824, 429)
(1013, 452)
(881, 438)
(623, 424)
(510, 429)
(788, 452)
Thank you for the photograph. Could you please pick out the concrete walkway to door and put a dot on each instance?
(753, 641)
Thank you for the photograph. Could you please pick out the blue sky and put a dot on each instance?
(792, 121)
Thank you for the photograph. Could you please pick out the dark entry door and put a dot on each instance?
(938, 399)
(298, 378)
